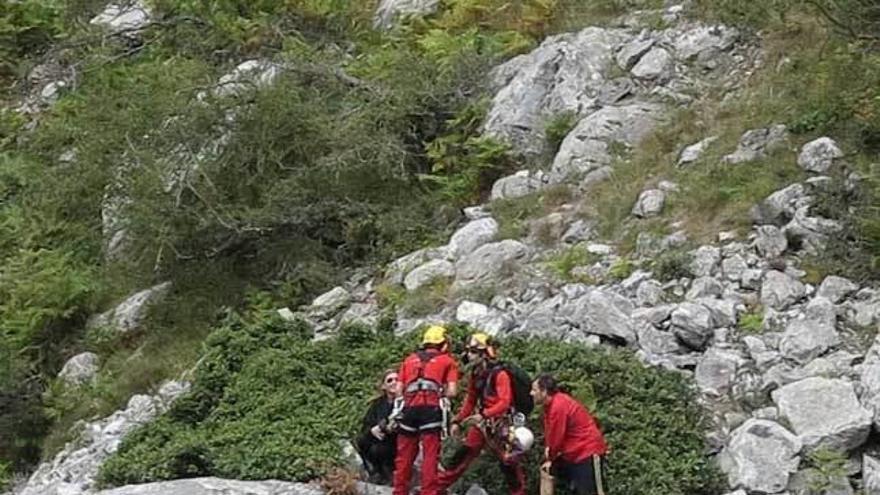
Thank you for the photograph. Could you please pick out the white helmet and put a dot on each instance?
(523, 438)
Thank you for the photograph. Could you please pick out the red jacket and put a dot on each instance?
(569, 430)
(493, 404)
(440, 368)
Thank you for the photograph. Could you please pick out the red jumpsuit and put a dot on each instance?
(425, 376)
(492, 389)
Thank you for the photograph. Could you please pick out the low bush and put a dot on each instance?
(269, 403)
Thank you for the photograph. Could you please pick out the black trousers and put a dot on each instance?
(378, 455)
(584, 478)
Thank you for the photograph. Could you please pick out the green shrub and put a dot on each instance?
(671, 265)
(568, 259)
(557, 128)
(826, 471)
(621, 269)
(752, 322)
(5, 475)
(268, 404)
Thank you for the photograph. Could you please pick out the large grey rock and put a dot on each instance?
(218, 486)
(693, 152)
(869, 374)
(818, 155)
(399, 268)
(631, 52)
(649, 293)
(807, 339)
(600, 312)
(824, 413)
(756, 143)
(128, 17)
(649, 204)
(597, 176)
(704, 287)
(564, 74)
(734, 267)
(705, 261)
(391, 10)
(473, 235)
(779, 208)
(517, 185)
(246, 76)
(428, 273)
(836, 288)
(658, 342)
(770, 241)
(73, 470)
(821, 310)
(581, 230)
(588, 146)
(863, 312)
(330, 302)
(657, 64)
(716, 371)
(810, 232)
(487, 261)
(723, 312)
(366, 314)
(655, 315)
(692, 324)
(80, 369)
(704, 40)
(780, 290)
(131, 313)
(760, 457)
(480, 316)
(871, 475)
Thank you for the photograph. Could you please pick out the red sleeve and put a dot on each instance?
(554, 430)
(504, 393)
(452, 371)
(469, 401)
(402, 375)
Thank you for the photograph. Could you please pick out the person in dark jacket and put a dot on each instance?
(377, 443)
(575, 448)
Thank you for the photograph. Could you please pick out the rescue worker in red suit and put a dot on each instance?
(575, 448)
(427, 378)
(487, 406)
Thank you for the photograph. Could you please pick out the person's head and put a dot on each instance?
(388, 385)
(543, 388)
(481, 349)
(435, 338)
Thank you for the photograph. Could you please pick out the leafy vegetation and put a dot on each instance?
(753, 321)
(263, 387)
(570, 258)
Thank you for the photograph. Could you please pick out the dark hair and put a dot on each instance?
(549, 384)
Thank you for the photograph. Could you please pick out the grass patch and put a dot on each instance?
(621, 269)
(672, 265)
(513, 214)
(262, 388)
(570, 258)
(752, 322)
(427, 299)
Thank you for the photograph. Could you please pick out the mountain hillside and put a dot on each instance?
(221, 219)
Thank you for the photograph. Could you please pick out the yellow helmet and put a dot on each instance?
(479, 341)
(435, 334)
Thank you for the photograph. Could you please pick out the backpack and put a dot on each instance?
(420, 381)
(521, 383)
